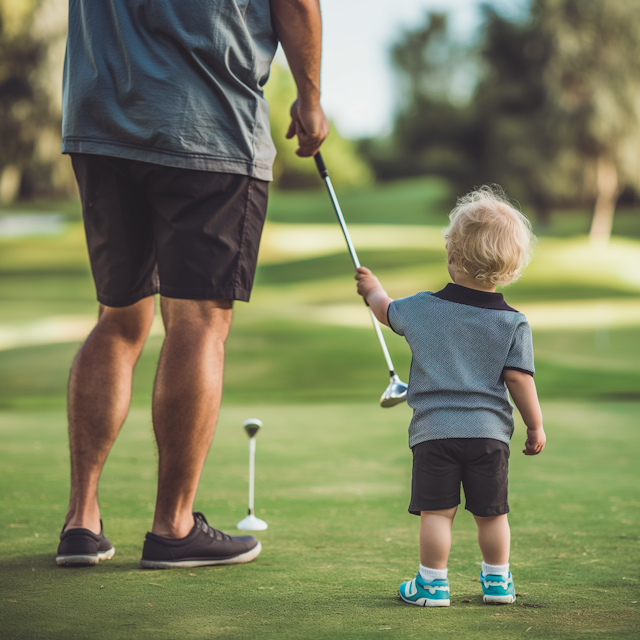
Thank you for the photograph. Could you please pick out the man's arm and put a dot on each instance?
(298, 25)
(523, 391)
(371, 290)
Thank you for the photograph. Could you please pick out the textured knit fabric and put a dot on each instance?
(170, 82)
(460, 350)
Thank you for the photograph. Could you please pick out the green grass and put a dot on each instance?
(333, 484)
(278, 363)
(425, 200)
(333, 468)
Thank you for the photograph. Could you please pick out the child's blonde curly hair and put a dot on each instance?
(488, 239)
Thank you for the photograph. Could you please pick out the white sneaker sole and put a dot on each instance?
(248, 556)
(92, 559)
(498, 599)
(427, 602)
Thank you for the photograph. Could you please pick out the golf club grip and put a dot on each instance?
(322, 170)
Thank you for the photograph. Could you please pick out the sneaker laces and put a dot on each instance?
(203, 525)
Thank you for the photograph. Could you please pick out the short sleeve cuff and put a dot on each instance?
(519, 369)
(391, 312)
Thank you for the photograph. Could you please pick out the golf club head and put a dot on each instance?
(395, 393)
(252, 426)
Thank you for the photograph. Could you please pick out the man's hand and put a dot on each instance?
(298, 24)
(310, 125)
(536, 439)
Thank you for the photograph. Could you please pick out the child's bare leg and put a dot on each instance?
(494, 538)
(435, 537)
(430, 587)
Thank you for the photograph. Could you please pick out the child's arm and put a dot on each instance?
(523, 391)
(371, 290)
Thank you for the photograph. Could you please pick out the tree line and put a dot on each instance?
(548, 107)
(553, 116)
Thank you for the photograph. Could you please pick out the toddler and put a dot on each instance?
(470, 350)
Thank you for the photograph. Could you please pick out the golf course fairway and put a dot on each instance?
(333, 485)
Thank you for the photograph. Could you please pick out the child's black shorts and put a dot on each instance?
(178, 232)
(480, 464)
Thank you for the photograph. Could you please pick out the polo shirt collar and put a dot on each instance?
(473, 297)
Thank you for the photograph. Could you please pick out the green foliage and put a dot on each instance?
(593, 78)
(593, 74)
(555, 94)
(435, 130)
(527, 145)
(291, 172)
(32, 34)
(23, 109)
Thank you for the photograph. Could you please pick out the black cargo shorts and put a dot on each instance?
(481, 465)
(179, 232)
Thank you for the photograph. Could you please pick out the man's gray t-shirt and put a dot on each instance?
(461, 340)
(170, 82)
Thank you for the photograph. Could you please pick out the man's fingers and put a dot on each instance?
(306, 150)
(291, 131)
(313, 128)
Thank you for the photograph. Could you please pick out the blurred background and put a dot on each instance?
(427, 99)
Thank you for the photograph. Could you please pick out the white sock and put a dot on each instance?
(429, 575)
(495, 569)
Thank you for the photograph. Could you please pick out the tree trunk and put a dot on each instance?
(9, 183)
(608, 191)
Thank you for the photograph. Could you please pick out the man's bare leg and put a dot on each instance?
(99, 397)
(186, 401)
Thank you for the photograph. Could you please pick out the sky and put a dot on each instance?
(358, 86)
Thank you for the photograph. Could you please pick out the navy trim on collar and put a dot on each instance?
(473, 297)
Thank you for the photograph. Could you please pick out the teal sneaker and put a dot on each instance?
(498, 590)
(425, 594)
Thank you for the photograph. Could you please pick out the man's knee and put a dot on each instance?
(131, 324)
(201, 316)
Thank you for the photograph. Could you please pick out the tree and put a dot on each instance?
(32, 36)
(434, 132)
(593, 75)
(526, 143)
(554, 117)
(21, 108)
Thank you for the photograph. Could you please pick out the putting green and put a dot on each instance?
(333, 484)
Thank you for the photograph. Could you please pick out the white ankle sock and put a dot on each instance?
(429, 575)
(495, 569)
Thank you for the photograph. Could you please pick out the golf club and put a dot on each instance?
(396, 392)
(251, 523)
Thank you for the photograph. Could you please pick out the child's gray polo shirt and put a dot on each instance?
(461, 340)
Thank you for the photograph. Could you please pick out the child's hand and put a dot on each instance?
(376, 297)
(536, 439)
(367, 282)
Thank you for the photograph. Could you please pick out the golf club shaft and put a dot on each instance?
(352, 251)
(252, 474)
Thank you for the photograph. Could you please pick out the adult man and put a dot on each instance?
(169, 136)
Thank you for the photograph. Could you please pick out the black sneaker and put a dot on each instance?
(203, 546)
(82, 547)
